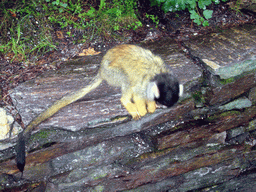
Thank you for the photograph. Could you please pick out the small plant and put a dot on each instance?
(23, 30)
(26, 26)
(199, 20)
(18, 47)
(58, 5)
(44, 46)
(236, 6)
(114, 16)
(135, 25)
(197, 8)
(154, 19)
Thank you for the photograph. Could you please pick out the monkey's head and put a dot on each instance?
(165, 89)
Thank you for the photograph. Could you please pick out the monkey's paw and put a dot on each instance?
(151, 105)
(135, 115)
(139, 113)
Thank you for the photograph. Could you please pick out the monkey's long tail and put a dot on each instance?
(66, 100)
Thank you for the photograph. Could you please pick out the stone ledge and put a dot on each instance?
(208, 138)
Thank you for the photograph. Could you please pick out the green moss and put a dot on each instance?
(99, 176)
(229, 113)
(199, 97)
(227, 81)
(43, 134)
(251, 126)
(221, 115)
(98, 188)
(94, 160)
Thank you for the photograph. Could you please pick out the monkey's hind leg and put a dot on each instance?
(151, 106)
(126, 100)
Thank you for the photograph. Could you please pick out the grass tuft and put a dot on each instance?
(27, 27)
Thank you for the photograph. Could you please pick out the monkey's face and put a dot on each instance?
(168, 87)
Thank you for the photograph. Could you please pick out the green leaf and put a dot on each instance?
(203, 3)
(64, 4)
(60, 10)
(156, 2)
(207, 14)
(196, 18)
(205, 23)
(169, 6)
(192, 3)
(91, 12)
(102, 4)
(197, 21)
(193, 14)
(181, 4)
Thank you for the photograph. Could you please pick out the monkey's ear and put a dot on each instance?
(152, 91)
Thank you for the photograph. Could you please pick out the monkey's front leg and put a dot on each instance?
(140, 105)
(151, 106)
(130, 107)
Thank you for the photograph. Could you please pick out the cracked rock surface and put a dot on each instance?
(206, 141)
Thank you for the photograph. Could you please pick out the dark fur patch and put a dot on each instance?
(168, 87)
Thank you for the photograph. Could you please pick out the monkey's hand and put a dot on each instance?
(151, 106)
(140, 105)
(137, 109)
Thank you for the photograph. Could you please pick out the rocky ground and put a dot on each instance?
(176, 25)
(204, 143)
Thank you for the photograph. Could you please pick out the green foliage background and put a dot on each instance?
(197, 8)
(27, 26)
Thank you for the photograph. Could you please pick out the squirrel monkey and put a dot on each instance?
(142, 76)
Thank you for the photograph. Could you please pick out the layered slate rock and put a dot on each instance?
(207, 140)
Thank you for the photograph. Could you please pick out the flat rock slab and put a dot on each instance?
(227, 53)
(185, 70)
(102, 105)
